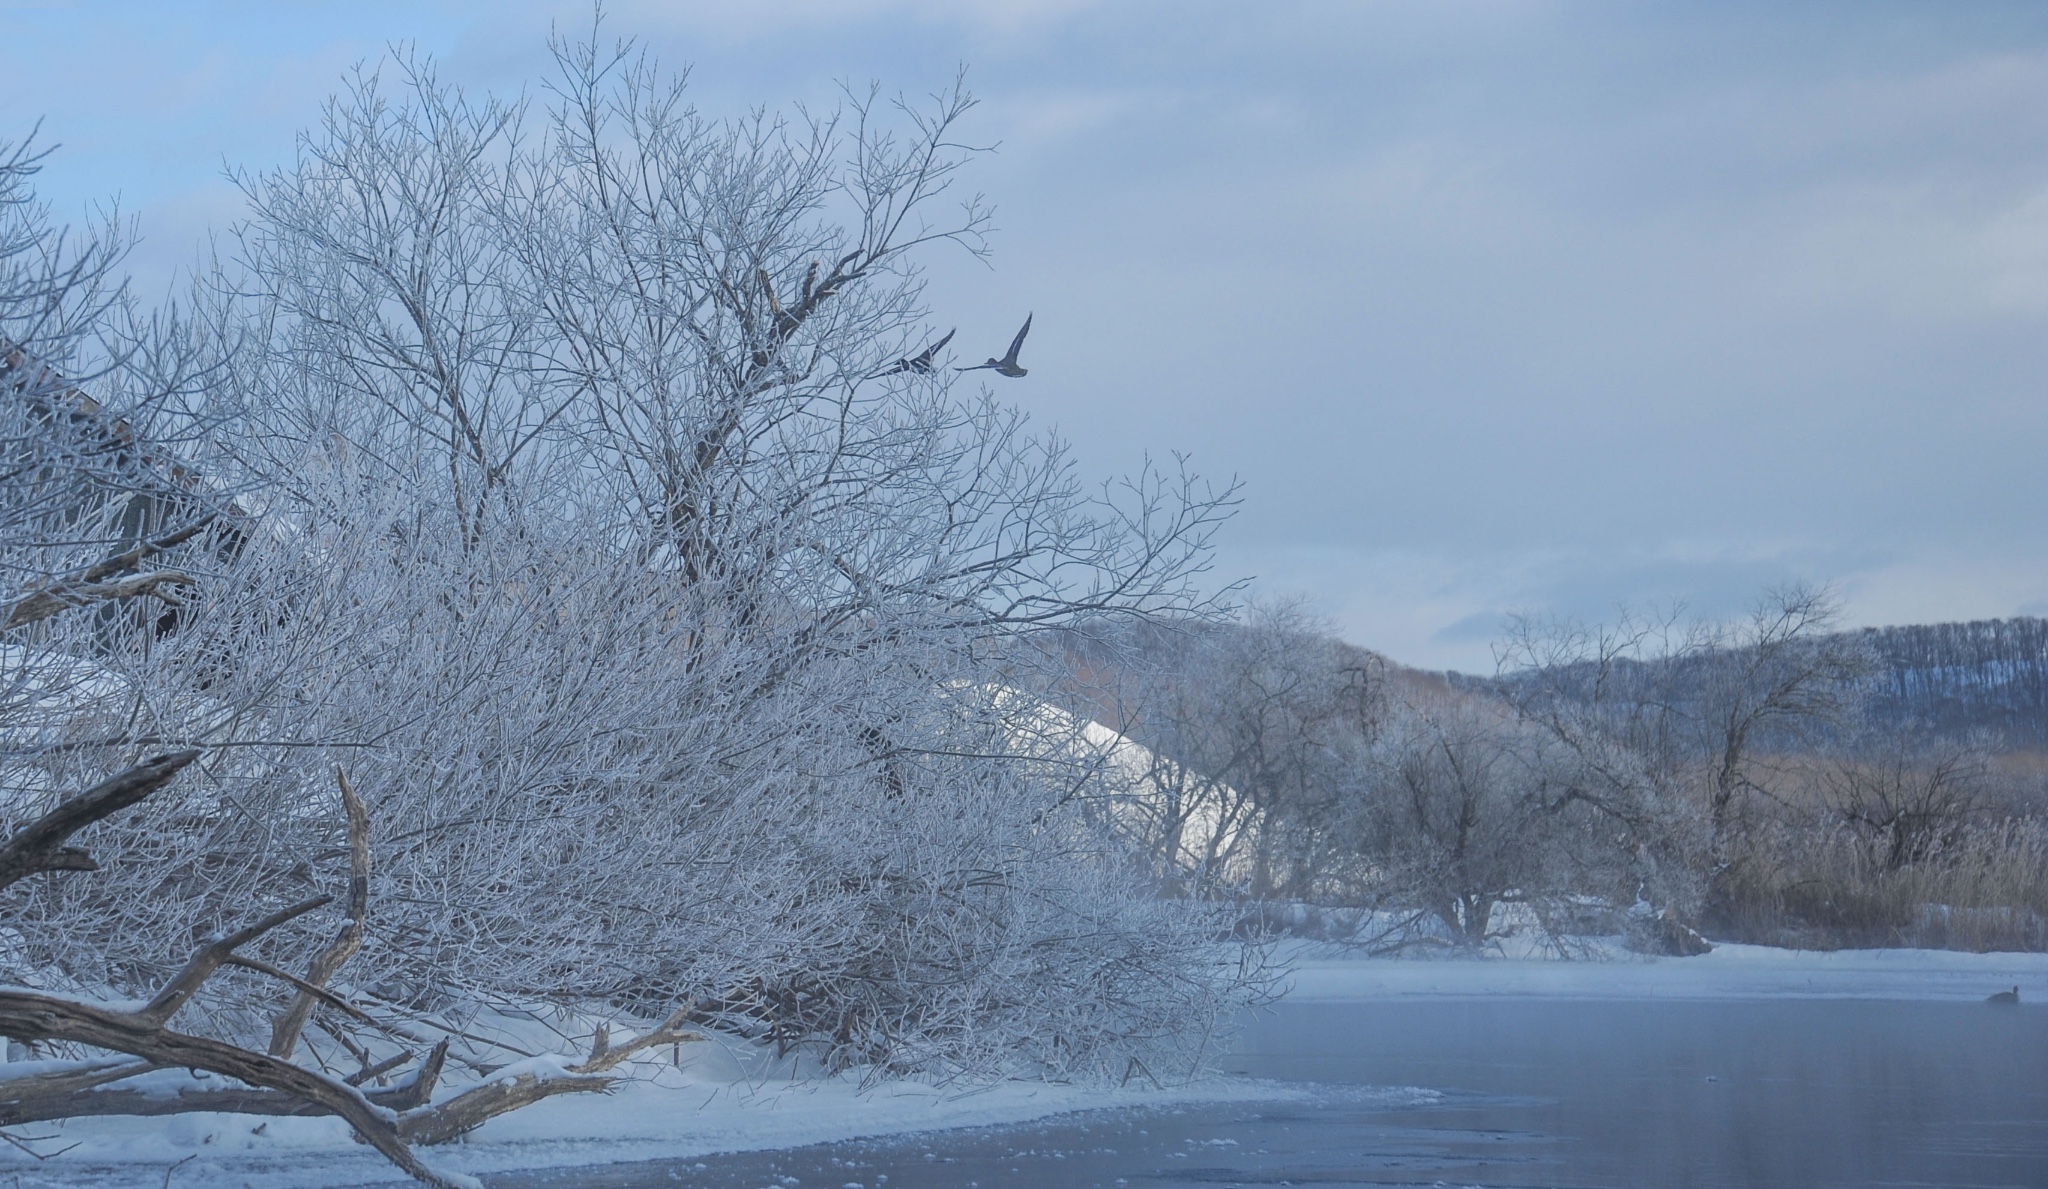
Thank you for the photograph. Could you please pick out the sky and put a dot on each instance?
(1494, 308)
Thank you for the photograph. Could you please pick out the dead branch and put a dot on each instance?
(93, 586)
(503, 1093)
(512, 1090)
(70, 1078)
(418, 1089)
(237, 1100)
(305, 989)
(42, 604)
(377, 1069)
(39, 846)
(70, 1092)
(212, 956)
(670, 1031)
(145, 1103)
(285, 1030)
(28, 1016)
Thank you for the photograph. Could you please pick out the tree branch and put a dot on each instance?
(285, 1030)
(39, 845)
(92, 586)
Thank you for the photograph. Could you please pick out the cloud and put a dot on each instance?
(1542, 306)
(716, 18)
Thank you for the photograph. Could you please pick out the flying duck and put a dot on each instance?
(921, 363)
(1007, 365)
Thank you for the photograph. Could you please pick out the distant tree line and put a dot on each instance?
(1985, 680)
(1767, 779)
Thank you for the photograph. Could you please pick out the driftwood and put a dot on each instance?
(144, 1035)
(391, 1119)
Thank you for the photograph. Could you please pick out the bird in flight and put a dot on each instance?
(920, 363)
(1007, 365)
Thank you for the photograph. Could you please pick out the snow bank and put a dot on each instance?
(719, 1100)
(730, 1097)
(1729, 972)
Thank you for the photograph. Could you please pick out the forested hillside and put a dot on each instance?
(1771, 779)
(1987, 677)
(1984, 683)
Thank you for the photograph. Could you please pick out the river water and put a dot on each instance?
(1516, 1092)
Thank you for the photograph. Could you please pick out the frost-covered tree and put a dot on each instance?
(1681, 726)
(1246, 737)
(680, 650)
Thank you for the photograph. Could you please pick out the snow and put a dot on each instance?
(728, 1096)
(1322, 975)
(722, 1099)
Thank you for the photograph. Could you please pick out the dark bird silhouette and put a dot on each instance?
(921, 363)
(1007, 365)
(2008, 997)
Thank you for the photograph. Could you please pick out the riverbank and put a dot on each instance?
(719, 1099)
(724, 1098)
(1324, 974)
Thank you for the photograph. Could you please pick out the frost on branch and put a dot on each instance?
(551, 480)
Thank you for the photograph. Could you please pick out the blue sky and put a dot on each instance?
(1494, 307)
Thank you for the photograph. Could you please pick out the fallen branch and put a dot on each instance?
(28, 1016)
(39, 846)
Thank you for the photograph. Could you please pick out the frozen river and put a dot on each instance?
(1516, 1092)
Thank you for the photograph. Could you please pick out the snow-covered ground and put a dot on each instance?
(726, 1099)
(720, 1100)
(1729, 972)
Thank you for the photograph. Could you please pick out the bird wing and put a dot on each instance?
(924, 360)
(1017, 343)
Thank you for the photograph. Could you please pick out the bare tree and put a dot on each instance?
(1910, 807)
(1672, 720)
(1253, 733)
(682, 662)
(1460, 816)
